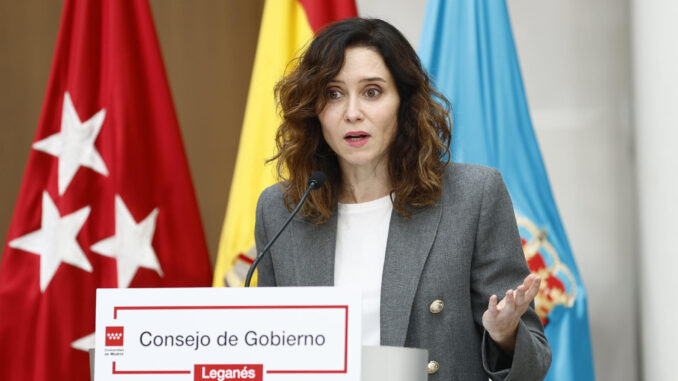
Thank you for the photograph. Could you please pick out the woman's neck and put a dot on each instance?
(363, 184)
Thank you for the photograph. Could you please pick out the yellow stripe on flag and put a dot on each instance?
(284, 31)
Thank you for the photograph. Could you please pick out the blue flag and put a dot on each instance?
(467, 47)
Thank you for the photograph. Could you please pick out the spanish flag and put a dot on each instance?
(287, 26)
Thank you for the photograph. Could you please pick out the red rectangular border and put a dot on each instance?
(151, 308)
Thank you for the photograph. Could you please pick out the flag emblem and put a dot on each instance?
(239, 267)
(115, 336)
(558, 287)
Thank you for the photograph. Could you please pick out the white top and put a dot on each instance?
(362, 231)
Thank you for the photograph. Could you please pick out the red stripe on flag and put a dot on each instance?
(321, 13)
(245, 258)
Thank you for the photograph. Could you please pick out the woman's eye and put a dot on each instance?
(333, 94)
(372, 92)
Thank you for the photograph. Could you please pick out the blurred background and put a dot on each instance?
(600, 79)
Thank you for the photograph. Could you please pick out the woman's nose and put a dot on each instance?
(353, 112)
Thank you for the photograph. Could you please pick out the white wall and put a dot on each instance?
(406, 15)
(655, 62)
(575, 59)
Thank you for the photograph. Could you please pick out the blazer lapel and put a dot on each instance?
(314, 254)
(409, 243)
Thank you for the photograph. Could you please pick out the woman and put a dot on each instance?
(431, 243)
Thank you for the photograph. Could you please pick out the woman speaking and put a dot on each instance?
(433, 245)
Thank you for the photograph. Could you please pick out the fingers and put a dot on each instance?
(529, 281)
(517, 300)
(520, 294)
(492, 305)
(526, 292)
(510, 300)
(533, 290)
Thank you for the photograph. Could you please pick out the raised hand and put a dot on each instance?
(501, 319)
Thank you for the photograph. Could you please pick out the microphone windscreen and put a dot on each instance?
(317, 180)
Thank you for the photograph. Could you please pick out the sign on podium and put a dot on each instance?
(219, 334)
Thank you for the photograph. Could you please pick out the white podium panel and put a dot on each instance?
(394, 364)
(228, 334)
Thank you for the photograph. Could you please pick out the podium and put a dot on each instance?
(378, 363)
(272, 334)
(393, 363)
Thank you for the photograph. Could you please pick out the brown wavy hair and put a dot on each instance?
(419, 152)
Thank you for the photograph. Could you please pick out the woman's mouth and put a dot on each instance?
(356, 138)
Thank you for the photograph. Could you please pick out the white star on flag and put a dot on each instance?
(55, 242)
(131, 244)
(74, 145)
(84, 343)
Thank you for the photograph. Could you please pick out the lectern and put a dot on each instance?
(393, 364)
(251, 334)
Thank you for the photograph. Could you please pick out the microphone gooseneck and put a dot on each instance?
(314, 182)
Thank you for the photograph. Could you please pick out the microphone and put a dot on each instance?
(314, 182)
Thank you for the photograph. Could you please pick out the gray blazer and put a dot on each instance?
(460, 251)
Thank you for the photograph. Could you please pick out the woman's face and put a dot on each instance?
(359, 120)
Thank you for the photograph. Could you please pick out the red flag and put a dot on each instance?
(107, 198)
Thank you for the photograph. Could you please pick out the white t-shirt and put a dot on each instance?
(362, 231)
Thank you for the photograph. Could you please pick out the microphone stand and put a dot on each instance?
(313, 184)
